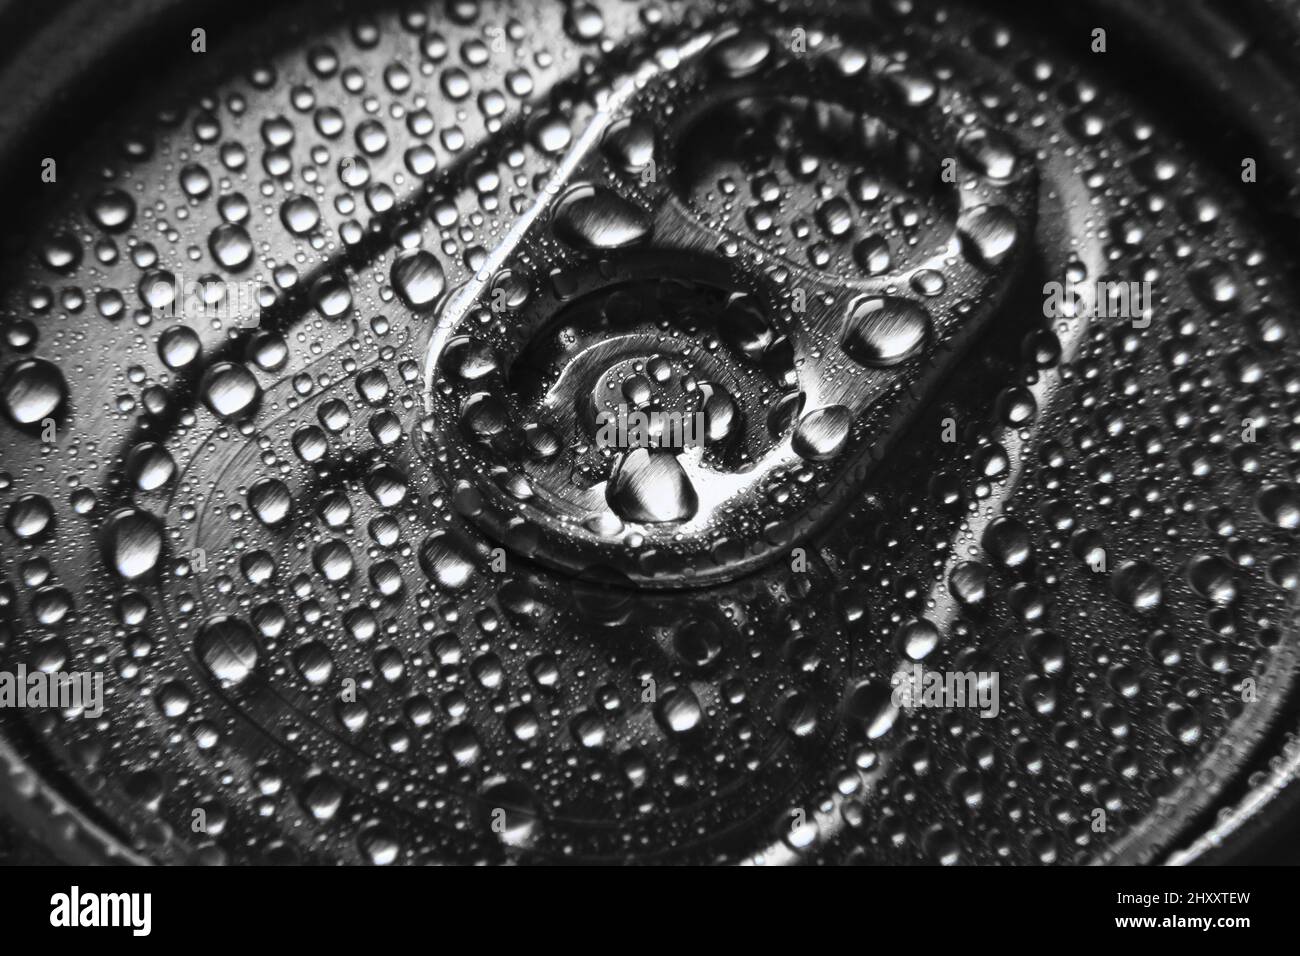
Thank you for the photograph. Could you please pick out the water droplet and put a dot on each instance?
(231, 246)
(229, 390)
(113, 210)
(132, 543)
(300, 215)
(593, 217)
(33, 390)
(630, 144)
(870, 708)
(1280, 504)
(679, 711)
(418, 278)
(447, 561)
(1138, 584)
(990, 153)
(270, 501)
(228, 650)
(988, 234)
(742, 53)
(649, 486)
(1212, 579)
(884, 331)
(821, 433)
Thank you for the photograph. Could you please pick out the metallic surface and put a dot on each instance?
(361, 587)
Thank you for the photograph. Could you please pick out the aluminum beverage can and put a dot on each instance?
(650, 432)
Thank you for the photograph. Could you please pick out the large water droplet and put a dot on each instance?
(988, 234)
(231, 246)
(270, 501)
(1280, 504)
(884, 331)
(1212, 578)
(418, 278)
(742, 54)
(870, 708)
(991, 153)
(679, 711)
(230, 390)
(33, 390)
(651, 487)
(630, 145)
(511, 812)
(447, 561)
(821, 433)
(593, 217)
(132, 543)
(1138, 584)
(300, 215)
(228, 650)
(113, 210)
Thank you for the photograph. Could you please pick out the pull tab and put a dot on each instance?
(745, 275)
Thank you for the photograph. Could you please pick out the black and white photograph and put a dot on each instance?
(642, 433)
